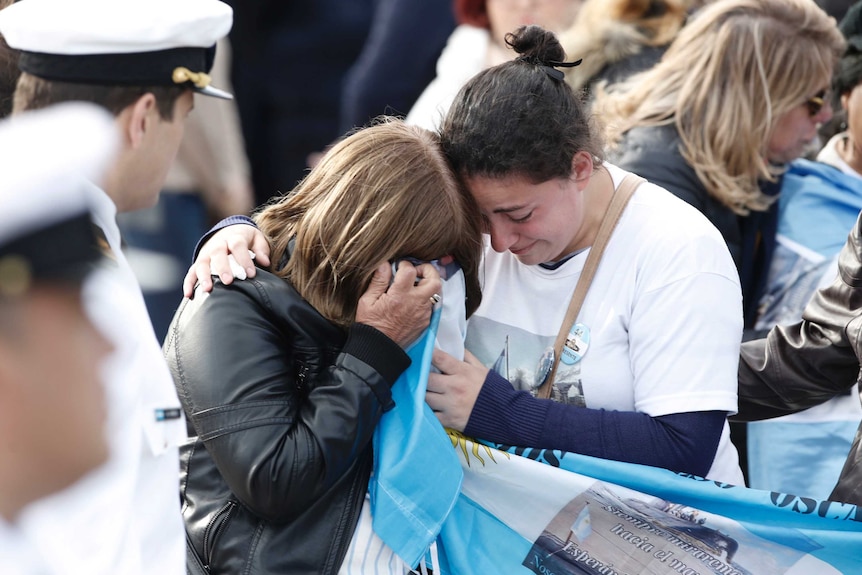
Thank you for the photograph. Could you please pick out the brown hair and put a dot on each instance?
(34, 93)
(8, 77)
(382, 193)
(472, 12)
(8, 71)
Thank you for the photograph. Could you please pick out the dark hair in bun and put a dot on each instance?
(520, 118)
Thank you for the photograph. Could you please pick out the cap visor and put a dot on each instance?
(214, 92)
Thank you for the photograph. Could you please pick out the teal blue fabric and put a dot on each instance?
(804, 457)
(417, 476)
(819, 206)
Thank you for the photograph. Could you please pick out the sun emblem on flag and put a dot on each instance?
(458, 439)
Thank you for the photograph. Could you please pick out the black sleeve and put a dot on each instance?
(278, 438)
(228, 221)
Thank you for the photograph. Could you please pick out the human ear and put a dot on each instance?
(582, 167)
(11, 377)
(138, 118)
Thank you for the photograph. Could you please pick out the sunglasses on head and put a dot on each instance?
(816, 102)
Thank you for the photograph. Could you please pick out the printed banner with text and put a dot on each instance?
(553, 513)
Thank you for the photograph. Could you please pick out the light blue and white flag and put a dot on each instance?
(555, 513)
(497, 509)
(417, 476)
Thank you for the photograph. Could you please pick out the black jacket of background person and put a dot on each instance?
(281, 406)
(802, 365)
(654, 153)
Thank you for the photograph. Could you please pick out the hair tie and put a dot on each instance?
(551, 66)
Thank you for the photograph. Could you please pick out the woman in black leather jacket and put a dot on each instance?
(283, 377)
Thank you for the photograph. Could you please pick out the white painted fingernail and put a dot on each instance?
(236, 269)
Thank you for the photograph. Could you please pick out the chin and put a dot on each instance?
(529, 259)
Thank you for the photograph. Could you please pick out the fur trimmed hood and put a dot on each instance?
(607, 31)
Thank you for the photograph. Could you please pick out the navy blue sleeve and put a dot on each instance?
(683, 442)
(228, 221)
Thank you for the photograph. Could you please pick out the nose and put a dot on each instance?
(502, 237)
(825, 113)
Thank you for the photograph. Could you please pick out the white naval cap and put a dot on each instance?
(119, 42)
(49, 158)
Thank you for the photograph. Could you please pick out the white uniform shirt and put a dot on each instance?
(124, 518)
(17, 557)
(664, 314)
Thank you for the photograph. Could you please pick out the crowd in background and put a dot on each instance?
(396, 75)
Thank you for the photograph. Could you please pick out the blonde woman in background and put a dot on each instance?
(738, 95)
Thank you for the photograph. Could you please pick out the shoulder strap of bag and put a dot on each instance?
(609, 221)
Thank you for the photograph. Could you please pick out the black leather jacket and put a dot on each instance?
(802, 365)
(281, 406)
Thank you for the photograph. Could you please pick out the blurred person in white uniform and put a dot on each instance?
(142, 61)
(52, 402)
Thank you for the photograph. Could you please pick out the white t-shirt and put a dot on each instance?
(663, 314)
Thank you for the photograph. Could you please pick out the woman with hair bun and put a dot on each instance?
(647, 373)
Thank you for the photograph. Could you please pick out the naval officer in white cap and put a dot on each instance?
(142, 60)
(52, 402)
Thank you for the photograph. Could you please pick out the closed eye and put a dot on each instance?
(521, 220)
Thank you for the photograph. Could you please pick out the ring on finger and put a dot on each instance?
(435, 299)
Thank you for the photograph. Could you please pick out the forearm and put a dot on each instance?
(333, 427)
(684, 442)
(804, 364)
(369, 362)
(794, 368)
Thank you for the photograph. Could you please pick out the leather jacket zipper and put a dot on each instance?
(300, 378)
(219, 521)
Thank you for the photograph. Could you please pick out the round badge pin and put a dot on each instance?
(577, 343)
(543, 370)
